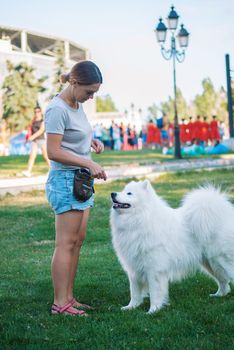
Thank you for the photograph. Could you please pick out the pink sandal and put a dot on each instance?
(81, 306)
(67, 309)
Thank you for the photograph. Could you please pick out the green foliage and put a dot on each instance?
(168, 106)
(205, 102)
(221, 105)
(153, 111)
(20, 93)
(208, 103)
(105, 104)
(60, 68)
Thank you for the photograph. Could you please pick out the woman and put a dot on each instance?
(37, 138)
(69, 140)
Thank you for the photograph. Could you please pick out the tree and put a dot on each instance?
(220, 108)
(153, 111)
(205, 103)
(60, 68)
(168, 109)
(211, 102)
(20, 93)
(105, 104)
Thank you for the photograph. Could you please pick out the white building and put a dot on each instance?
(38, 50)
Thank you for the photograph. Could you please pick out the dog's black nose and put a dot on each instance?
(113, 195)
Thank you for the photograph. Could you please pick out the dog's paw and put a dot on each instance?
(152, 311)
(215, 295)
(128, 307)
(156, 308)
(222, 291)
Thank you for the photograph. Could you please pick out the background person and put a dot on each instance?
(151, 138)
(205, 132)
(197, 125)
(190, 130)
(37, 137)
(214, 130)
(69, 142)
(183, 132)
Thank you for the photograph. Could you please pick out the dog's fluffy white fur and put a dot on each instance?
(157, 244)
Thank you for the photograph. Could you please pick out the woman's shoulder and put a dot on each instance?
(56, 107)
(55, 113)
(55, 103)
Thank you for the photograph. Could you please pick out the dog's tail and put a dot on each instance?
(204, 210)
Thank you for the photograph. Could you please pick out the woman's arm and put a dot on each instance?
(38, 133)
(56, 153)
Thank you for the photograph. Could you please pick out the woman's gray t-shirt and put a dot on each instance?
(73, 124)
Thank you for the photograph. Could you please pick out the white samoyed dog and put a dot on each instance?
(156, 244)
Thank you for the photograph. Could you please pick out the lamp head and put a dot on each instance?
(161, 31)
(172, 19)
(183, 37)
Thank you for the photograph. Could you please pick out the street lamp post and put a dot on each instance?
(172, 52)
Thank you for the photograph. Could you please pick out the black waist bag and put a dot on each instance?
(83, 184)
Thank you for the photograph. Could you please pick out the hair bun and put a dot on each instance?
(64, 78)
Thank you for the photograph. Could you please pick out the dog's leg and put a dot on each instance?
(158, 290)
(145, 290)
(136, 293)
(223, 289)
(218, 274)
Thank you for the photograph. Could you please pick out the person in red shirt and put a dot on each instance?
(157, 137)
(171, 134)
(183, 132)
(190, 130)
(214, 130)
(204, 131)
(197, 130)
(153, 135)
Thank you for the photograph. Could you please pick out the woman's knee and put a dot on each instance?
(80, 238)
(67, 245)
(83, 228)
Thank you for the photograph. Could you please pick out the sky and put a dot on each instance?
(121, 39)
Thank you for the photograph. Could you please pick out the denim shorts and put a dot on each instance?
(39, 142)
(59, 192)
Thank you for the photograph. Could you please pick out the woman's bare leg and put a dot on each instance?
(67, 227)
(32, 157)
(44, 153)
(81, 237)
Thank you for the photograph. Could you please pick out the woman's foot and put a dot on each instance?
(67, 309)
(27, 173)
(80, 306)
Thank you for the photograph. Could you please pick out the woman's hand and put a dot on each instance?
(97, 145)
(28, 140)
(97, 171)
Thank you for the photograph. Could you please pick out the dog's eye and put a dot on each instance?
(129, 193)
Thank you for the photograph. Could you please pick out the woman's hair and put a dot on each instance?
(84, 72)
(37, 107)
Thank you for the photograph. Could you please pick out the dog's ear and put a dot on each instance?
(146, 184)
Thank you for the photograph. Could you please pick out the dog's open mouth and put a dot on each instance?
(118, 205)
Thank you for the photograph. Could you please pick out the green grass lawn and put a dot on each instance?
(192, 321)
(13, 165)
